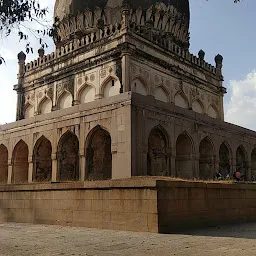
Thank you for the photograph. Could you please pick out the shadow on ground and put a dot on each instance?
(245, 230)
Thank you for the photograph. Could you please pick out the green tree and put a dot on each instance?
(15, 15)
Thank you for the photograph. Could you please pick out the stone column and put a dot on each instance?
(54, 167)
(216, 164)
(82, 165)
(10, 168)
(126, 82)
(173, 162)
(30, 169)
(20, 86)
(195, 159)
(233, 165)
(249, 171)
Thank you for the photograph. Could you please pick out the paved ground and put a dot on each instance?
(23, 239)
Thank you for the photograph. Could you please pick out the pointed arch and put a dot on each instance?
(68, 157)
(181, 100)
(65, 100)
(42, 160)
(20, 162)
(98, 154)
(139, 85)
(3, 164)
(213, 112)
(45, 105)
(225, 155)
(161, 93)
(241, 160)
(110, 87)
(29, 110)
(198, 106)
(184, 151)
(86, 93)
(157, 160)
(206, 159)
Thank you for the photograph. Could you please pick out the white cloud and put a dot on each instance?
(241, 108)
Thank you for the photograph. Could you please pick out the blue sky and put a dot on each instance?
(217, 26)
(220, 26)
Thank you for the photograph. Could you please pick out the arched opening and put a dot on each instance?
(20, 163)
(184, 163)
(197, 107)
(181, 100)
(111, 88)
(29, 111)
(224, 156)
(42, 159)
(3, 164)
(139, 87)
(87, 94)
(253, 159)
(65, 100)
(98, 155)
(241, 161)
(206, 161)
(160, 94)
(68, 157)
(157, 153)
(212, 112)
(45, 106)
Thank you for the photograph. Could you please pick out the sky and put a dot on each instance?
(216, 26)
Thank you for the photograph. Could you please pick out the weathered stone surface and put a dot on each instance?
(138, 204)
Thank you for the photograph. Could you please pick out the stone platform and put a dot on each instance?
(146, 204)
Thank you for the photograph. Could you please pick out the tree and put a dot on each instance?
(15, 15)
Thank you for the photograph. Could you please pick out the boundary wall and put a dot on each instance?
(136, 204)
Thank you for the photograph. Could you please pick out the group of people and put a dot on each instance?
(237, 176)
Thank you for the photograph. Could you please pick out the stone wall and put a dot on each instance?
(189, 144)
(121, 205)
(62, 145)
(136, 204)
(186, 205)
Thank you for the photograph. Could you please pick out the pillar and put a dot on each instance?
(82, 165)
(216, 164)
(195, 160)
(126, 83)
(20, 87)
(173, 162)
(54, 167)
(10, 168)
(30, 169)
(233, 165)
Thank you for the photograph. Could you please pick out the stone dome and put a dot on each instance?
(72, 7)
(167, 18)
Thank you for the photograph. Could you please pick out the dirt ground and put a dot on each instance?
(27, 239)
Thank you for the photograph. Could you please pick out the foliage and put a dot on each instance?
(16, 15)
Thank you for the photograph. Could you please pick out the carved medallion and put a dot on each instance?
(92, 78)
(103, 73)
(133, 69)
(146, 74)
(80, 81)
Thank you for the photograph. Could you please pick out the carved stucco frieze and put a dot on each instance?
(49, 92)
(66, 84)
